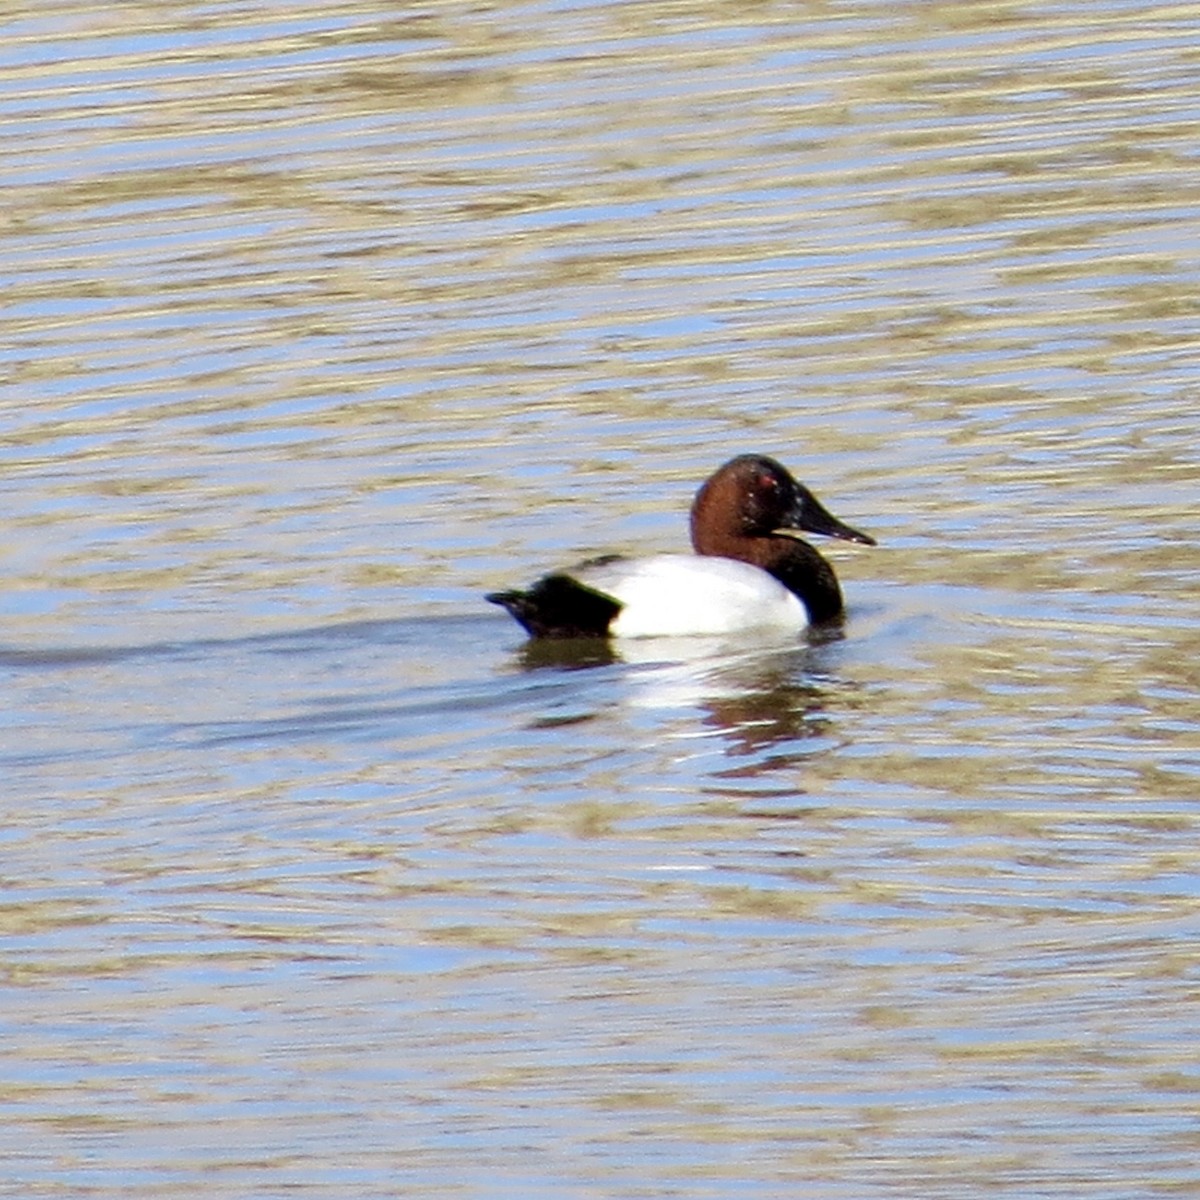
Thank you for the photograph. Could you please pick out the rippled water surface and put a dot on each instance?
(321, 320)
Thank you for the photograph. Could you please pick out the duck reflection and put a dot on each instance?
(753, 696)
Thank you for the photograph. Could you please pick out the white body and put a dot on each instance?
(683, 594)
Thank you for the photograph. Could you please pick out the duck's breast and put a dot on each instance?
(681, 594)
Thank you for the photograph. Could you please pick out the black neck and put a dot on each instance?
(810, 577)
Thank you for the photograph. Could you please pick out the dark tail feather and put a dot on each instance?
(515, 603)
(559, 607)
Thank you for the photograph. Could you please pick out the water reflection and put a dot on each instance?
(755, 692)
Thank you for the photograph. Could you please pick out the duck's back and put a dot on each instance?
(684, 594)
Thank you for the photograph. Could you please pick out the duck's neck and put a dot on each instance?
(804, 572)
(794, 563)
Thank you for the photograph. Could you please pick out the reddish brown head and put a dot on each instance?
(753, 510)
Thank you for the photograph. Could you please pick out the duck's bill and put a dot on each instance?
(814, 518)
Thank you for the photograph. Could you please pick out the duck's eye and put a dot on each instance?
(768, 483)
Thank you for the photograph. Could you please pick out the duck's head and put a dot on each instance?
(753, 497)
(753, 510)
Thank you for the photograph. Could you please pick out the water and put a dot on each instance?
(322, 321)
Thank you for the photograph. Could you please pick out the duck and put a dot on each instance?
(750, 569)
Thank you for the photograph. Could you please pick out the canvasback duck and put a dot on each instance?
(750, 570)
